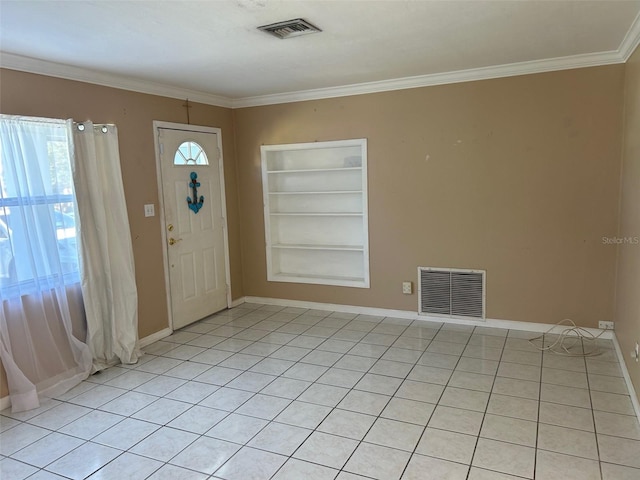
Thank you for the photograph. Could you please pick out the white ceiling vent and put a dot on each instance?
(451, 292)
(290, 28)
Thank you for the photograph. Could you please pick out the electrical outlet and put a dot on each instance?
(407, 288)
(605, 325)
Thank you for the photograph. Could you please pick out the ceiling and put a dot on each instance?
(211, 51)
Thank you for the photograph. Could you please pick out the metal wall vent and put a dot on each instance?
(290, 28)
(451, 292)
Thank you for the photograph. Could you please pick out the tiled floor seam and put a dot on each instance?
(430, 416)
(231, 319)
(325, 417)
(372, 424)
(484, 414)
(593, 417)
(274, 420)
(535, 453)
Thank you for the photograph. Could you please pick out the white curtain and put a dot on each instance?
(38, 262)
(108, 276)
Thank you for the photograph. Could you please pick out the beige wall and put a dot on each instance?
(518, 176)
(628, 278)
(133, 113)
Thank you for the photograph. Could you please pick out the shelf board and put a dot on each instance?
(315, 170)
(316, 214)
(327, 192)
(355, 281)
(343, 248)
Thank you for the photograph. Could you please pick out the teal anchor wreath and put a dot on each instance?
(195, 204)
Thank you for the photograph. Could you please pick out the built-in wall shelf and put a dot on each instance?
(335, 192)
(355, 248)
(316, 170)
(315, 211)
(318, 214)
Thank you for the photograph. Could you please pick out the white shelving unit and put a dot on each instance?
(315, 212)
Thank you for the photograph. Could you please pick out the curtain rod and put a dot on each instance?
(104, 127)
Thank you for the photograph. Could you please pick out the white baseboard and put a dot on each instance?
(497, 323)
(5, 402)
(154, 337)
(237, 302)
(384, 312)
(627, 378)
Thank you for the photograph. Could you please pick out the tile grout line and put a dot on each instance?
(242, 445)
(324, 339)
(273, 420)
(436, 405)
(593, 414)
(228, 413)
(309, 386)
(85, 441)
(291, 400)
(484, 414)
(535, 453)
(386, 404)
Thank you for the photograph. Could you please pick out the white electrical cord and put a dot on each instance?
(568, 338)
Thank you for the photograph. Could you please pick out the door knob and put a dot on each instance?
(173, 241)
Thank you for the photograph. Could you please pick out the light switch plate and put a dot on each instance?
(149, 210)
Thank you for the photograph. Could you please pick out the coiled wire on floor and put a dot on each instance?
(566, 341)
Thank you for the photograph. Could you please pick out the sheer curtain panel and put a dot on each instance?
(108, 276)
(38, 262)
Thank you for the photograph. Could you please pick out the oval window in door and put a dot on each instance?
(190, 153)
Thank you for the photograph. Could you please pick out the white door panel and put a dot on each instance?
(195, 241)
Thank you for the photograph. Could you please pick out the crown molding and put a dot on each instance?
(483, 73)
(31, 65)
(631, 40)
(68, 72)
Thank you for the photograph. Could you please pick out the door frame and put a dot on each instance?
(157, 125)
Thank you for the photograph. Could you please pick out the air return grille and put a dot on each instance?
(290, 28)
(451, 292)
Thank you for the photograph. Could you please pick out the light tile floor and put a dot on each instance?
(263, 392)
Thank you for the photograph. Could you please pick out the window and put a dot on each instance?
(190, 153)
(38, 239)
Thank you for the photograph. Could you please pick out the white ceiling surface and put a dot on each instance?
(213, 50)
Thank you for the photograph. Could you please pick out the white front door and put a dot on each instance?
(193, 195)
